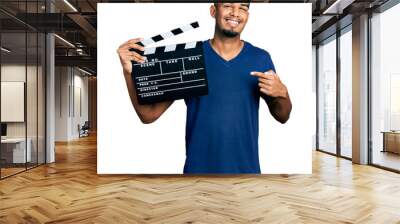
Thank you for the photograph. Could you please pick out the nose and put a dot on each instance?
(235, 11)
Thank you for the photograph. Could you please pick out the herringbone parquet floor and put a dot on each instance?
(70, 191)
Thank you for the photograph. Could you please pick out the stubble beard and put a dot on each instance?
(229, 33)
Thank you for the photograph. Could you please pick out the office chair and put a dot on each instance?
(84, 130)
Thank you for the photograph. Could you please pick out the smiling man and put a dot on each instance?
(222, 127)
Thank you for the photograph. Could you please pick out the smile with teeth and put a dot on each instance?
(233, 22)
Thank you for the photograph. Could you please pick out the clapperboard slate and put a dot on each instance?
(170, 72)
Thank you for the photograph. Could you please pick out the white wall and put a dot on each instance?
(70, 83)
(80, 83)
(62, 81)
(133, 144)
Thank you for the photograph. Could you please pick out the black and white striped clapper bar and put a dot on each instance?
(170, 72)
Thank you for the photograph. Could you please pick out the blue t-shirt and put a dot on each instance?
(222, 127)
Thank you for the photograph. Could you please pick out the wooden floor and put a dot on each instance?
(5, 172)
(70, 191)
(8, 171)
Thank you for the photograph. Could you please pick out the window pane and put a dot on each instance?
(386, 88)
(22, 90)
(41, 98)
(32, 84)
(327, 96)
(31, 100)
(346, 94)
(14, 153)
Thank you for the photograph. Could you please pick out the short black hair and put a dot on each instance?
(216, 2)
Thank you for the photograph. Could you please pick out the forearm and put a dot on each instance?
(281, 107)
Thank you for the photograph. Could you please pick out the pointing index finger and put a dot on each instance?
(262, 75)
(270, 72)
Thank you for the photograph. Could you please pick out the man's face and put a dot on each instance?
(230, 18)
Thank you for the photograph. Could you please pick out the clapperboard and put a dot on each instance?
(170, 72)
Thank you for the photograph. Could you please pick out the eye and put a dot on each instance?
(227, 5)
(244, 8)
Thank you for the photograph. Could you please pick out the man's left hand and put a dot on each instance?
(270, 84)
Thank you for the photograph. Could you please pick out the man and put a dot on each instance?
(222, 127)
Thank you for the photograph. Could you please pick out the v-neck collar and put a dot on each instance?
(231, 61)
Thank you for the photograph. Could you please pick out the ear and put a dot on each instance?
(213, 10)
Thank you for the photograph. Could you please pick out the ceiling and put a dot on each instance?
(76, 22)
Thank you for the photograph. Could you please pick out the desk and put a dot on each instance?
(391, 141)
(13, 150)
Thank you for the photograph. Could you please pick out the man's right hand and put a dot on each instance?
(126, 56)
(150, 112)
